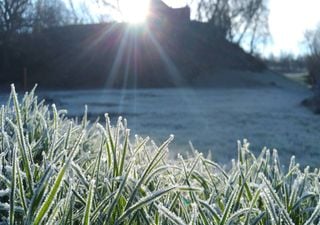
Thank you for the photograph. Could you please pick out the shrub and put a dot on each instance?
(313, 60)
(56, 170)
(313, 65)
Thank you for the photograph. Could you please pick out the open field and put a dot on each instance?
(214, 119)
(58, 171)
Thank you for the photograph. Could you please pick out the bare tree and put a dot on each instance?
(313, 41)
(114, 7)
(244, 22)
(80, 13)
(13, 15)
(114, 4)
(14, 19)
(17, 16)
(50, 13)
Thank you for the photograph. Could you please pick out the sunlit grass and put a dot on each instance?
(56, 170)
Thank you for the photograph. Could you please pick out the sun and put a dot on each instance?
(134, 11)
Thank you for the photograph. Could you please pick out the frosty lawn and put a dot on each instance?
(56, 170)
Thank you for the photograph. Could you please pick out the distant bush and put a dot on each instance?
(287, 63)
(313, 60)
(313, 65)
(314, 76)
(56, 170)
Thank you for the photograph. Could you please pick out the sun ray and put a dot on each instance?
(170, 66)
(118, 59)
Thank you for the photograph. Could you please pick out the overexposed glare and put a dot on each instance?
(134, 11)
(289, 19)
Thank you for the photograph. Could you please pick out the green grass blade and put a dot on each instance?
(87, 214)
(23, 147)
(13, 187)
(148, 169)
(117, 196)
(21, 188)
(144, 201)
(170, 215)
(48, 203)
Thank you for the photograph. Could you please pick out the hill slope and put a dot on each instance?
(120, 55)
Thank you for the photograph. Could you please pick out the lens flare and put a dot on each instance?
(134, 11)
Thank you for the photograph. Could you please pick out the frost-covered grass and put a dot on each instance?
(56, 170)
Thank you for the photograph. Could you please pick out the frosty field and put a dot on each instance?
(213, 119)
(56, 170)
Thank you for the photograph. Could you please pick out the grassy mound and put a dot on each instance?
(56, 170)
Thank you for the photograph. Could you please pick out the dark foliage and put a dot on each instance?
(119, 55)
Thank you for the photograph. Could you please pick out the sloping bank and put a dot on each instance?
(120, 55)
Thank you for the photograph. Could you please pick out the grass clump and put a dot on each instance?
(56, 170)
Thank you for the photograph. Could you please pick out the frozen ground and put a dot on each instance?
(213, 119)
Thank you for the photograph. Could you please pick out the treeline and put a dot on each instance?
(25, 16)
(117, 55)
(313, 58)
(21, 20)
(242, 22)
(54, 43)
(313, 65)
(287, 63)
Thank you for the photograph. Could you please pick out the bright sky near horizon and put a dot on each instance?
(288, 21)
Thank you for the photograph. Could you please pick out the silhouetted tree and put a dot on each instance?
(14, 16)
(18, 16)
(80, 11)
(112, 9)
(244, 22)
(313, 60)
(50, 13)
(286, 63)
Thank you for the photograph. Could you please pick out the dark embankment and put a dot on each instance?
(119, 55)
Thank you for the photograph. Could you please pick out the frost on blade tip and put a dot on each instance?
(245, 144)
(4, 206)
(5, 192)
(12, 87)
(292, 162)
(233, 163)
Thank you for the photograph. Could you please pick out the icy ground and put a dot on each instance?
(213, 119)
